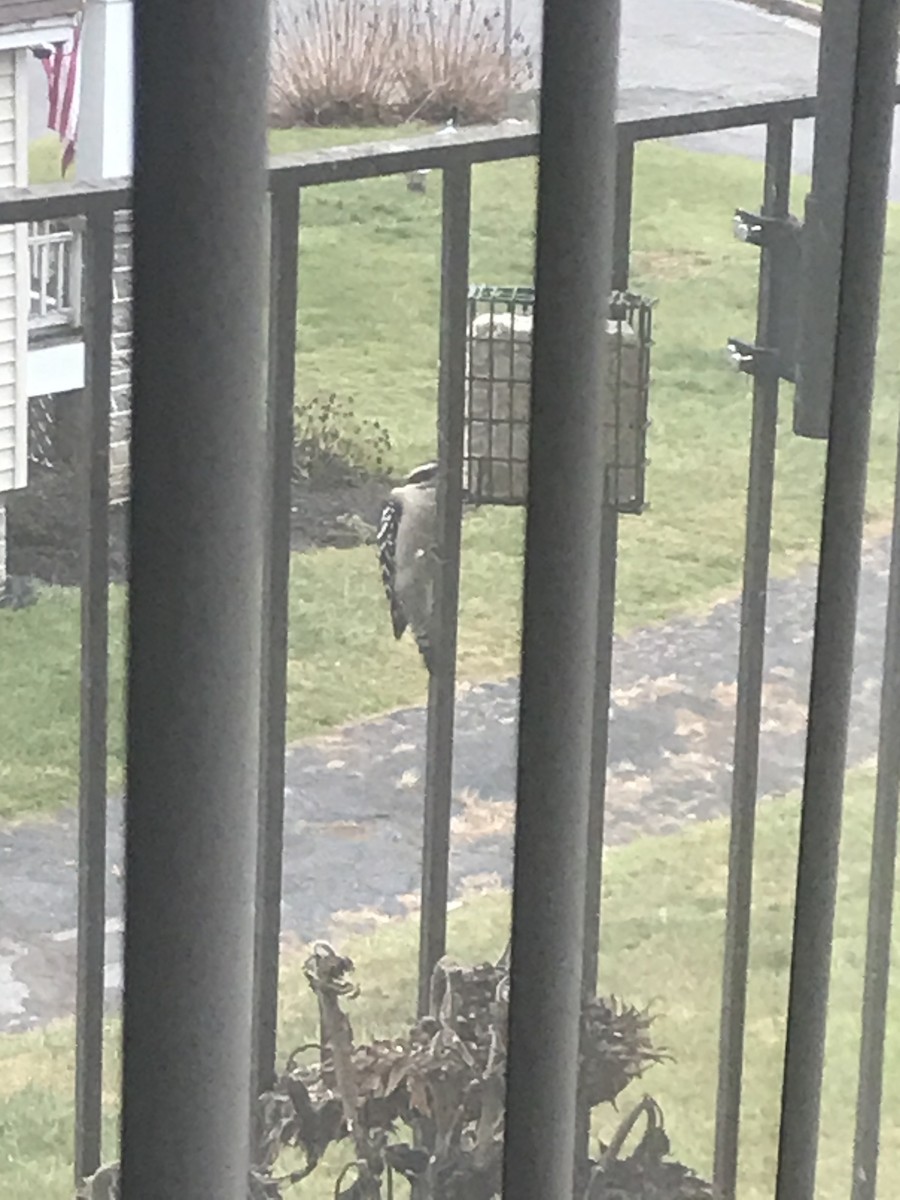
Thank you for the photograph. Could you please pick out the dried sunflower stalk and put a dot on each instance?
(429, 1105)
(443, 1081)
(647, 1173)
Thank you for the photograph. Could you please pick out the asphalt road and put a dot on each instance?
(692, 55)
(685, 54)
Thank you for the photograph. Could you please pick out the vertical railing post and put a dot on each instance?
(606, 612)
(94, 468)
(871, 117)
(751, 653)
(457, 201)
(44, 271)
(197, 530)
(508, 39)
(284, 214)
(824, 216)
(606, 620)
(881, 891)
(75, 247)
(624, 202)
(562, 557)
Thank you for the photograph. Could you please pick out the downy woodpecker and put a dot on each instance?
(406, 541)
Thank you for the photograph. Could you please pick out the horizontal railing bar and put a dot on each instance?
(509, 139)
(60, 238)
(367, 160)
(713, 120)
(58, 201)
(430, 151)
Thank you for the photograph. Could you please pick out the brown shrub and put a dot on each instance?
(382, 62)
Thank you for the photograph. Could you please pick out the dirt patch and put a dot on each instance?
(340, 513)
(45, 530)
(481, 818)
(45, 527)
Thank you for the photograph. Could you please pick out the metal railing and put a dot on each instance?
(54, 269)
(455, 158)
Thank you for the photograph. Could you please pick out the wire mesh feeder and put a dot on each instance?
(498, 396)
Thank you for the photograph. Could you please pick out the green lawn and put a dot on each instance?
(45, 160)
(368, 328)
(661, 945)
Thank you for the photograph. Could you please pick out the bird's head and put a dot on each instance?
(425, 476)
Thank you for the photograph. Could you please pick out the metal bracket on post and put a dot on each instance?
(756, 229)
(782, 235)
(748, 359)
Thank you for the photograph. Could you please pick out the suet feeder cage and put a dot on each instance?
(498, 396)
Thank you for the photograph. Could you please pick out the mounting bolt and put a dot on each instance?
(743, 230)
(748, 227)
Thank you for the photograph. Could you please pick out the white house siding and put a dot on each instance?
(13, 282)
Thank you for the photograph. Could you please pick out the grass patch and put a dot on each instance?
(45, 160)
(660, 945)
(368, 329)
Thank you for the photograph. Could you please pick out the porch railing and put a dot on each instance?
(54, 271)
(47, 206)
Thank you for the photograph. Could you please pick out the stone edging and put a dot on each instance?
(800, 10)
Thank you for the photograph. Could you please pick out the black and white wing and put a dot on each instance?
(386, 541)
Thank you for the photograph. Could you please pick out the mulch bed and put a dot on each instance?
(45, 528)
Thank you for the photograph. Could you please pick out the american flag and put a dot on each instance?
(62, 66)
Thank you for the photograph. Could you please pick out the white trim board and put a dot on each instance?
(58, 368)
(36, 35)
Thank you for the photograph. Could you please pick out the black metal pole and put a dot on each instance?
(562, 547)
(90, 991)
(457, 202)
(824, 217)
(284, 216)
(881, 891)
(757, 542)
(842, 529)
(606, 613)
(195, 596)
(624, 201)
(606, 609)
(508, 38)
